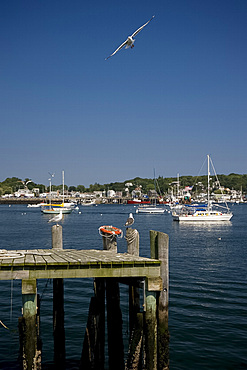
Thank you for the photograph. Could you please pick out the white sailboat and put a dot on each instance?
(56, 208)
(205, 213)
(149, 208)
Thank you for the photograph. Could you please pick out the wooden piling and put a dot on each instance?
(150, 329)
(114, 325)
(92, 357)
(114, 314)
(58, 305)
(132, 237)
(134, 361)
(58, 324)
(57, 237)
(159, 245)
(110, 242)
(31, 356)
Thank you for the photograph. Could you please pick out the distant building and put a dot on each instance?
(24, 193)
(111, 193)
(36, 191)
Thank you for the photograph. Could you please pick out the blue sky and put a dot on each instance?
(178, 95)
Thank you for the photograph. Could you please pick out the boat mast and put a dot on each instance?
(154, 189)
(208, 181)
(50, 192)
(63, 185)
(50, 179)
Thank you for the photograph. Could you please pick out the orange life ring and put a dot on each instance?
(110, 230)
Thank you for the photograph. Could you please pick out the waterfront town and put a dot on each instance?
(132, 193)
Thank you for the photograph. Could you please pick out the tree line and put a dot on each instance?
(231, 181)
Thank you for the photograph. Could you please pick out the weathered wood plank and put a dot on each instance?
(60, 259)
(29, 259)
(39, 259)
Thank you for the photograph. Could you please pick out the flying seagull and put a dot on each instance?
(130, 40)
(57, 218)
(130, 220)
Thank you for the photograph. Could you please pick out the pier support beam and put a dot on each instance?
(132, 237)
(114, 326)
(159, 245)
(92, 357)
(31, 356)
(114, 314)
(58, 305)
(58, 324)
(150, 329)
(134, 361)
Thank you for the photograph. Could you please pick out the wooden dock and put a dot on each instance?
(146, 277)
(71, 263)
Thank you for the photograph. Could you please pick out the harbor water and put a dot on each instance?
(208, 284)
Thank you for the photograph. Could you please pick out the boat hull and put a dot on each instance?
(150, 210)
(138, 202)
(203, 218)
(56, 211)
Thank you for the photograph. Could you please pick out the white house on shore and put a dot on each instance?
(25, 193)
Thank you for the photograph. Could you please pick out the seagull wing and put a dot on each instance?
(120, 47)
(139, 29)
(52, 219)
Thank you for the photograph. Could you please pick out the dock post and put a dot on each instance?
(114, 325)
(114, 314)
(132, 237)
(134, 360)
(110, 243)
(57, 237)
(150, 329)
(31, 356)
(92, 357)
(159, 245)
(58, 305)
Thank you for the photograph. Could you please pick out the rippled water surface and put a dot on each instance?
(208, 284)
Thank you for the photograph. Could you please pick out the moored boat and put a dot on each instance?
(55, 209)
(88, 203)
(138, 201)
(150, 209)
(208, 212)
(198, 213)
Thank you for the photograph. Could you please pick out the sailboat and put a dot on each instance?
(195, 213)
(151, 209)
(56, 208)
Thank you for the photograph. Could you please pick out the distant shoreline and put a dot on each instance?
(55, 201)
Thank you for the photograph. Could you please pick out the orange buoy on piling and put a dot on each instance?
(110, 230)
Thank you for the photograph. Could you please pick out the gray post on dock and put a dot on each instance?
(159, 248)
(57, 237)
(109, 242)
(58, 305)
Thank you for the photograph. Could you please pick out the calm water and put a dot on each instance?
(208, 284)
